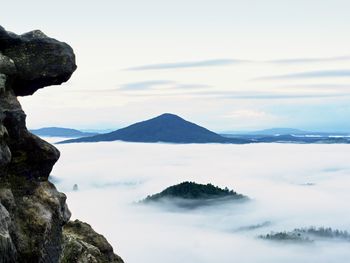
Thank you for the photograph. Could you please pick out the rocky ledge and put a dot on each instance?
(34, 217)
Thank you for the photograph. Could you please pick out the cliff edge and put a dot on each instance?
(34, 217)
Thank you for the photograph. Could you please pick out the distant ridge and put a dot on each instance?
(170, 128)
(282, 131)
(279, 131)
(61, 132)
(164, 128)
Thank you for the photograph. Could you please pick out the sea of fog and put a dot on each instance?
(290, 186)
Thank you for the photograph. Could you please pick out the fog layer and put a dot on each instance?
(290, 186)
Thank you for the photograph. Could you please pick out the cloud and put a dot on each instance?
(188, 64)
(248, 95)
(228, 61)
(246, 113)
(191, 86)
(309, 60)
(144, 85)
(271, 96)
(310, 74)
(148, 85)
(249, 117)
(331, 86)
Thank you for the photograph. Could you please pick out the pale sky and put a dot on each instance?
(226, 65)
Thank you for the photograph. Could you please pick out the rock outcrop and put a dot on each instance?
(33, 213)
(83, 244)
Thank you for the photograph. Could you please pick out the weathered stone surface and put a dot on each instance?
(32, 211)
(7, 247)
(40, 61)
(83, 245)
(7, 65)
(37, 213)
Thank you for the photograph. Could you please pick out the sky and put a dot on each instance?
(226, 65)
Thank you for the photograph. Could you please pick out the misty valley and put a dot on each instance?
(209, 202)
(175, 131)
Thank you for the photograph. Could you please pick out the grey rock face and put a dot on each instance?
(32, 211)
(83, 244)
(40, 61)
(7, 247)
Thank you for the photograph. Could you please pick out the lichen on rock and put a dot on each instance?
(82, 244)
(32, 212)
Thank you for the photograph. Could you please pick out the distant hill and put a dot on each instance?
(190, 195)
(164, 128)
(61, 132)
(272, 131)
(281, 131)
(170, 128)
(192, 190)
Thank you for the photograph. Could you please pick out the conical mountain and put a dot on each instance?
(164, 128)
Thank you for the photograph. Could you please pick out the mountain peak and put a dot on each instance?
(166, 127)
(168, 116)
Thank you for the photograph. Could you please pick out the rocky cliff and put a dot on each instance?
(34, 217)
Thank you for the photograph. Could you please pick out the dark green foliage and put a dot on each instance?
(194, 191)
(286, 236)
(308, 235)
(324, 232)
